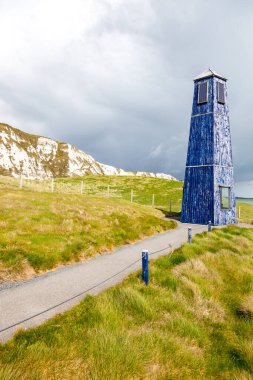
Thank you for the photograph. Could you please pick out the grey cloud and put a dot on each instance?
(114, 78)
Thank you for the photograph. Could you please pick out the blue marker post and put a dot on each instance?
(145, 266)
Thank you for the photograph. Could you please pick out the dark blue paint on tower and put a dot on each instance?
(209, 183)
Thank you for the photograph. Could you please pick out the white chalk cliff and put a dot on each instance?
(37, 157)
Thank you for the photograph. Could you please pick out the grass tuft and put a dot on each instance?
(185, 325)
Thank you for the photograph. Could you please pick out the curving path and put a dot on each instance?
(34, 296)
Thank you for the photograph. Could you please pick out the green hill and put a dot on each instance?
(41, 230)
(246, 212)
(165, 192)
(193, 321)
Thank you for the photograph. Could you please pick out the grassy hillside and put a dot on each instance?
(246, 212)
(39, 231)
(165, 192)
(143, 189)
(194, 321)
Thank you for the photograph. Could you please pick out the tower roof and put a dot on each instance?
(209, 73)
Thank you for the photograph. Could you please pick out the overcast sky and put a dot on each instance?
(114, 77)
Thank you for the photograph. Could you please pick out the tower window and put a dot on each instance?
(202, 93)
(220, 93)
(225, 197)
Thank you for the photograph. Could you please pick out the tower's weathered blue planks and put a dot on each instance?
(209, 184)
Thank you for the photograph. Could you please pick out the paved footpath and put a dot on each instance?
(34, 296)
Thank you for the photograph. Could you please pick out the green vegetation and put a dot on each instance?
(166, 192)
(194, 321)
(246, 211)
(39, 231)
(120, 187)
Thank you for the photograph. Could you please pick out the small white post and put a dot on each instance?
(52, 185)
(132, 195)
(81, 187)
(21, 181)
(108, 190)
(153, 200)
(239, 212)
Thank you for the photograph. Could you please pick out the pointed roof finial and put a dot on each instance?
(209, 73)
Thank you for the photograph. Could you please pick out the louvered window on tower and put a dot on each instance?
(221, 93)
(202, 93)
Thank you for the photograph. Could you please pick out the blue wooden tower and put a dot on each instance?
(209, 184)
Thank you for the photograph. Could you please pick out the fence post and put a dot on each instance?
(52, 185)
(170, 206)
(145, 276)
(81, 187)
(132, 195)
(239, 212)
(209, 226)
(153, 200)
(21, 182)
(189, 235)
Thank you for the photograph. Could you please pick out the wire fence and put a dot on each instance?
(83, 292)
(169, 200)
